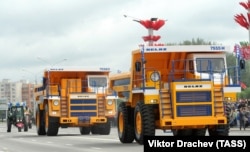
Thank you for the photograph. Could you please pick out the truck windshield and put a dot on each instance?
(208, 65)
(97, 81)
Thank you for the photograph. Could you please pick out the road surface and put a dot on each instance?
(70, 140)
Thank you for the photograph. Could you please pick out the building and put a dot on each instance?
(11, 91)
(21, 91)
(28, 94)
(3, 109)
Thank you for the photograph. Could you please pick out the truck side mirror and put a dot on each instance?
(44, 82)
(242, 64)
(137, 66)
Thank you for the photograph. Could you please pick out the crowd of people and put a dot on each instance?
(240, 114)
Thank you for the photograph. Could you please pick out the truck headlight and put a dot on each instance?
(110, 102)
(153, 101)
(56, 102)
(155, 76)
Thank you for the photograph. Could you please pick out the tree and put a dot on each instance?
(197, 41)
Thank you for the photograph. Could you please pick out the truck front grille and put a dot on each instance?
(202, 96)
(83, 107)
(194, 110)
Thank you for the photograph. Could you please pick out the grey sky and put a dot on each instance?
(95, 33)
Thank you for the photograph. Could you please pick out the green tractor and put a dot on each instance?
(16, 116)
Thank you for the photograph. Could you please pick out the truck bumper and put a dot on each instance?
(82, 120)
(197, 122)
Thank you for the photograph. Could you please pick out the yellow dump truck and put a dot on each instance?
(176, 88)
(179, 88)
(73, 97)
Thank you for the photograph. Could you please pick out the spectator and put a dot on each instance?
(233, 118)
(243, 118)
(238, 118)
(241, 105)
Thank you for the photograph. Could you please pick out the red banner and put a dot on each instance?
(243, 85)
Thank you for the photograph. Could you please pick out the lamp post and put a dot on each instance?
(151, 25)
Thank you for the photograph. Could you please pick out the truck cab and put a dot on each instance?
(207, 66)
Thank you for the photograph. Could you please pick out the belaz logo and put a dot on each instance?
(193, 86)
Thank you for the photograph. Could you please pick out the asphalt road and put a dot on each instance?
(70, 140)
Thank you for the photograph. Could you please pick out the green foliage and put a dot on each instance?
(245, 74)
(244, 94)
(197, 41)
(244, 43)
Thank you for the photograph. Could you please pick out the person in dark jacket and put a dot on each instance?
(241, 105)
(243, 118)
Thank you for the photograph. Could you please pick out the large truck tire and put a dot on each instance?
(105, 128)
(221, 130)
(190, 132)
(199, 132)
(30, 125)
(51, 123)
(40, 121)
(144, 121)
(8, 125)
(125, 123)
(182, 132)
(25, 127)
(95, 129)
(25, 122)
(85, 130)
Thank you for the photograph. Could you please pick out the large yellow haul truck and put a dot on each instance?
(177, 88)
(73, 97)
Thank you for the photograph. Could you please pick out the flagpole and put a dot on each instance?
(237, 51)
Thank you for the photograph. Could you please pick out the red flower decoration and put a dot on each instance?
(151, 38)
(152, 24)
(246, 5)
(240, 19)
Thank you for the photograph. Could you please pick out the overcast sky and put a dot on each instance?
(37, 34)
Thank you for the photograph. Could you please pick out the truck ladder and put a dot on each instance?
(101, 105)
(218, 102)
(64, 107)
(165, 104)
